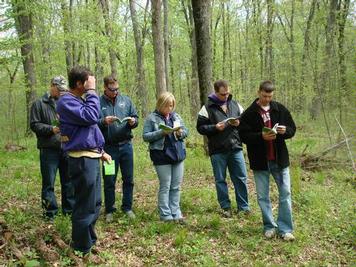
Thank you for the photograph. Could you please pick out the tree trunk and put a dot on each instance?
(214, 67)
(342, 15)
(307, 42)
(268, 45)
(99, 69)
(201, 15)
(193, 90)
(108, 32)
(158, 47)
(167, 55)
(140, 70)
(67, 29)
(289, 34)
(24, 28)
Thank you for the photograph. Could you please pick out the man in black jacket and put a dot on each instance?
(218, 119)
(44, 122)
(268, 154)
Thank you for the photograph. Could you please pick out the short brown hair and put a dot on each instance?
(110, 79)
(267, 86)
(164, 99)
(220, 83)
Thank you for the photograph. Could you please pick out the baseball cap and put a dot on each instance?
(60, 82)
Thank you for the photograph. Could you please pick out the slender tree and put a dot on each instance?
(167, 56)
(193, 90)
(158, 47)
(139, 35)
(24, 28)
(108, 31)
(201, 15)
(269, 71)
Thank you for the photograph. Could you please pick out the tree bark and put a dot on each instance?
(268, 45)
(67, 29)
(24, 28)
(140, 70)
(108, 32)
(193, 90)
(201, 15)
(158, 48)
(167, 55)
(342, 15)
(306, 47)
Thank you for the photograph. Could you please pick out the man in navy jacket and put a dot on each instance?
(114, 108)
(268, 154)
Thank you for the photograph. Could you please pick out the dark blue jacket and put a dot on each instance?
(123, 107)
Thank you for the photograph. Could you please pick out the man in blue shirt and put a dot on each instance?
(118, 117)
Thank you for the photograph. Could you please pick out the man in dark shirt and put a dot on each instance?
(43, 121)
(218, 119)
(268, 155)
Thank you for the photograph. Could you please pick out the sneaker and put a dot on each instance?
(288, 237)
(244, 212)
(270, 233)
(130, 214)
(181, 221)
(109, 217)
(227, 213)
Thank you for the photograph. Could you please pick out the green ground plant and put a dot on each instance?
(323, 204)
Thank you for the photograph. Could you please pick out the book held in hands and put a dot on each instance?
(118, 120)
(269, 130)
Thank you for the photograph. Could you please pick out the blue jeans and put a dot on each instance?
(282, 179)
(170, 179)
(123, 156)
(52, 160)
(85, 174)
(233, 161)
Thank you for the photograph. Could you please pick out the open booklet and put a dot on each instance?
(269, 130)
(167, 128)
(231, 119)
(117, 119)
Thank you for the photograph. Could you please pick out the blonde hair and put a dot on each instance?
(164, 99)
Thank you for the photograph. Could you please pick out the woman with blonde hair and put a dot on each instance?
(165, 131)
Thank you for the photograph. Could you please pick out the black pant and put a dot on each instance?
(85, 175)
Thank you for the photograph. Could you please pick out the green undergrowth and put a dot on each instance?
(323, 205)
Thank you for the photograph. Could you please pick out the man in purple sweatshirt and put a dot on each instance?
(82, 139)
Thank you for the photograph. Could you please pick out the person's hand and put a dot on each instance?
(109, 120)
(166, 132)
(179, 132)
(55, 129)
(220, 126)
(106, 157)
(268, 136)
(90, 83)
(131, 121)
(234, 122)
(281, 129)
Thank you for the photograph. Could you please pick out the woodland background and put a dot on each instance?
(307, 47)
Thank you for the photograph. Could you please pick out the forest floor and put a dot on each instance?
(323, 205)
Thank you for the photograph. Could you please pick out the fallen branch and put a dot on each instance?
(320, 160)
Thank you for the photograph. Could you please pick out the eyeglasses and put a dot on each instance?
(113, 89)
